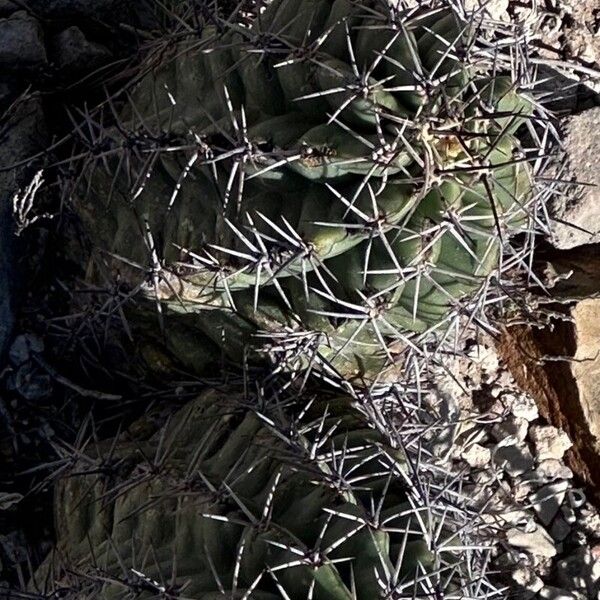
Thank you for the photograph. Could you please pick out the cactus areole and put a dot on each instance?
(336, 173)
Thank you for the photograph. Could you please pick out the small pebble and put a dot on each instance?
(515, 460)
(476, 456)
(549, 442)
(524, 406)
(526, 578)
(552, 468)
(560, 529)
(537, 542)
(511, 426)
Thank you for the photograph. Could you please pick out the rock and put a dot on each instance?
(560, 529)
(21, 43)
(553, 593)
(568, 514)
(477, 456)
(9, 499)
(559, 365)
(73, 9)
(31, 383)
(73, 53)
(9, 90)
(552, 468)
(526, 578)
(577, 216)
(537, 542)
(7, 7)
(524, 407)
(549, 442)
(516, 427)
(589, 521)
(548, 499)
(579, 571)
(22, 136)
(24, 347)
(140, 13)
(513, 456)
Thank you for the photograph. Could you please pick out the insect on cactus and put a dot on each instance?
(339, 170)
(223, 501)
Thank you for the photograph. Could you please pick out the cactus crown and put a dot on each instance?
(336, 171)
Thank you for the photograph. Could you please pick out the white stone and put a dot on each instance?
(549, 441)
(486, 358)
(526, 578)
(477, 456)
(524, 406)
(552, 468)
(537, 542)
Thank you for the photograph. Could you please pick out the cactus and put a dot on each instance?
(224, 501)
(335, 170)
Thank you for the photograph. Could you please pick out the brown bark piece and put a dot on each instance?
(560, 367)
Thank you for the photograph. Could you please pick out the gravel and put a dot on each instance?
(521, 480)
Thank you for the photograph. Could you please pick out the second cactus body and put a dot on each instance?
(221, 503)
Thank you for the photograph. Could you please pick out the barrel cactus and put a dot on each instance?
(338, 175)
(225, 502)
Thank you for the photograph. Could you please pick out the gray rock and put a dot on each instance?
(138, 12)
(553, 593)
(31, 383)
(560, 529)
(578, 571)
(24, 347)
(511, 426)
(22, 136)
(548, 499)
(73, 9)
(477, 456)
(9, 90)
(577, 215)
(7, 7)
(552, 468)
(21, 43)
(514, 459)
(526, 578)
(524, 407)
(549, 442)
(537, 542)
(72, 52)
